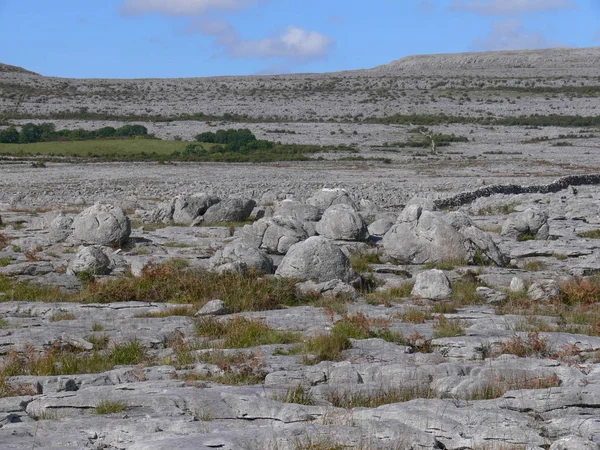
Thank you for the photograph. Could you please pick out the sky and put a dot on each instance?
(196, 38)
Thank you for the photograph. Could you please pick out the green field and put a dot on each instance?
(125, 148)
(158, 150)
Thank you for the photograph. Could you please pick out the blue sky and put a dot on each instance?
(189, 38)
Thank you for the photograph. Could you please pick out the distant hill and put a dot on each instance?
(544, 61)
(14, 69)
(504, 84)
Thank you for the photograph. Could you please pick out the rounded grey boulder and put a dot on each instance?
(531, 222)
(239, 256)
(325, 198)
(298, 210)
(432, 284)
(342, 222)
(230, 210)
(421, 237)
(89, 259)
(187, 207)
(316, 258)
(102, 224)
(276, 234)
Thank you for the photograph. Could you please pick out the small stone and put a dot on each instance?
(517, 285)
(543, 290)
(432, 284)
(213, 308)
(491, 296)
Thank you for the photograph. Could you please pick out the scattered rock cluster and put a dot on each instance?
(434, 389)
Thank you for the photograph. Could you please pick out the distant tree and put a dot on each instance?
(9, 136)
(131, 130)
(208, 137)
(30, 133)
(106, 132)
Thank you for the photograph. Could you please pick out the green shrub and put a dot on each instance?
(9, 136)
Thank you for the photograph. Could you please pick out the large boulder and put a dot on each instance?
(102, 224)
(162, 213)
(230, 210)
(531, 222)
(276, 234)
(318, 259)
(298, 210)
(369, 210)
(239, 257)
(381, 225)
(421, 237)
(89, 259)
(187, 207)
(432, 284)
(325, 198)
(342, 222)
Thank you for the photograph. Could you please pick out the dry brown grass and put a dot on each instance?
(382, 396)
(534, 345)
(4, 240)
(577, 308)
(170, 283)
(498, 386)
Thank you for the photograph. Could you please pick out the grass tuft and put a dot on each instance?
(532, 346)
(110, 407)
(62, 315)
(240, 332)
(444, 327)
(360, 260)
(591, 234)
(389, 296)
(353, 399)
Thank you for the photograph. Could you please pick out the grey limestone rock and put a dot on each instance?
(574, 443)
(230, 210)
(102, 224)
(432, 284)
(327, 197)
(342, 222)
(239, 256)
(381, 226)
(213, 308)
(517, 285)
(276, 234)
(89, 259)
(298, 210)
(331, 288)
(491, 296)
(426, 236)
(531, 222)
(543, 290)
(187, 207)
(316, 258)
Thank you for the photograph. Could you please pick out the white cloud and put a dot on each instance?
(295, 43)
(182, 7)
(508, 7)
(510, 35)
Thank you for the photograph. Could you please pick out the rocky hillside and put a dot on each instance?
(471, 85)
(544, 63)
(5, 68)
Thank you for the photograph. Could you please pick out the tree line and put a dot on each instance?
(46, 132)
